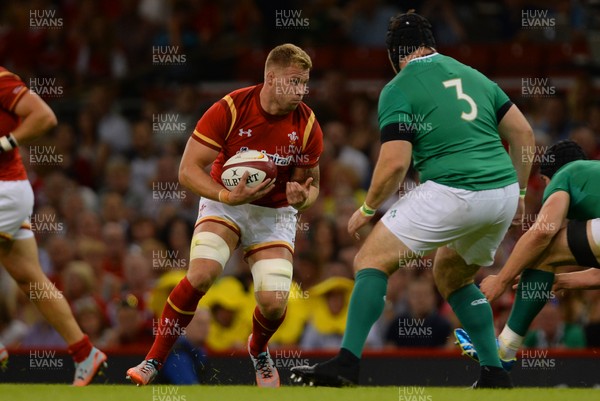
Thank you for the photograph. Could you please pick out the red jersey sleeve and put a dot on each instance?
(213, 126)
(11, 90)
(312, 146)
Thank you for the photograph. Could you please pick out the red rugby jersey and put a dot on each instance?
(11, 90)
(238, 122)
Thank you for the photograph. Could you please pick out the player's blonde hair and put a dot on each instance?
(288, 54)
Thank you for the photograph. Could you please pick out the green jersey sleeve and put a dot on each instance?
(559, 182)
(395, 116)
(501, 102)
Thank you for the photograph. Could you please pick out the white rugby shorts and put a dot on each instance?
(258, 227)
(471, 222)
(16, 205)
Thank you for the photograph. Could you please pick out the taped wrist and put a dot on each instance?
(8, 143)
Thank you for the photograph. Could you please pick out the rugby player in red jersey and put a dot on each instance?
(24, 116)
(270, 118)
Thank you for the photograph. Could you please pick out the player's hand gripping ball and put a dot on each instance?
(259, 166)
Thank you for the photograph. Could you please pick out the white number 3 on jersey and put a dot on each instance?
(457, 82)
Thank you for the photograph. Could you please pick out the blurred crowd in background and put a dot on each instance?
(114, 225)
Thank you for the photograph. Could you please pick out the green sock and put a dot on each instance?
(475, 313)
(535, 288)
(366, 305)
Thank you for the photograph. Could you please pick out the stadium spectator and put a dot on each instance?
(328, 303)
(138, 279)
(91, 316)
(115, 241)
(228, 303)
(130, 327)
(420, 325)
(143, 159)
(337, 138)
(78, 280)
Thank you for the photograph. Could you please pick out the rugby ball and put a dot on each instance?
(257, 164)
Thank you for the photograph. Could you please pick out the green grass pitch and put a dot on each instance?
(56, 392)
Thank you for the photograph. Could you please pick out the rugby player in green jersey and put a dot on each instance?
(448, 119)
(572, 193)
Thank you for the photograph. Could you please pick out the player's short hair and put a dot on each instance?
(286, 55)
(559, 154)
(406, 33)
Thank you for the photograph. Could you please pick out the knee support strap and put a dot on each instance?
(207, 245)
(272, 275)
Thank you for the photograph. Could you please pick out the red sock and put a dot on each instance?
(81, 349)
(262, 331)
(177, 314)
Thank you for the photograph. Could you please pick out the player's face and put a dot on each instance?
(290, 84)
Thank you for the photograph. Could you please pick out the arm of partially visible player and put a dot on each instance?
(37, 118)
(531, 245)
(192, 174)
(514, 128)
(303, 188)
(392, 165)
(583, 280)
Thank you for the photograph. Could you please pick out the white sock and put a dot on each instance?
(509, 342)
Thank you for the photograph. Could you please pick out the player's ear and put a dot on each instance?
(270, 77)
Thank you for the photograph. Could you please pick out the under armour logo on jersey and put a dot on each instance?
(293, 136)
(248, 133)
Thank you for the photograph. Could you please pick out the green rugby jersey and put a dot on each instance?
(581, 180)
(452, 112)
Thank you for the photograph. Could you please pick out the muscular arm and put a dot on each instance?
(37, 118)
(392, 165)
(585, 280)
(515, 129)
(192, 170)
(531, 245)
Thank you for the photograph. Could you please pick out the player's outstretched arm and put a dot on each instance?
(37, 118)
(192, 175)
(515, 129)
(392, 165)
(531, 245)
(583, 280)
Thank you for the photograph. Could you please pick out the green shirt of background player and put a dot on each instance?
(449, 119)
(572, 193)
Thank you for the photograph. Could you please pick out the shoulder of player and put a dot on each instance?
(304, 111)
(8, 75)
(239, 96)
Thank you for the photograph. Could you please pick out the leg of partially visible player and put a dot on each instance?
(272, 273)
(20, 258)
(381, 255)
(454, 279)
(535, 285)
(211, 248)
